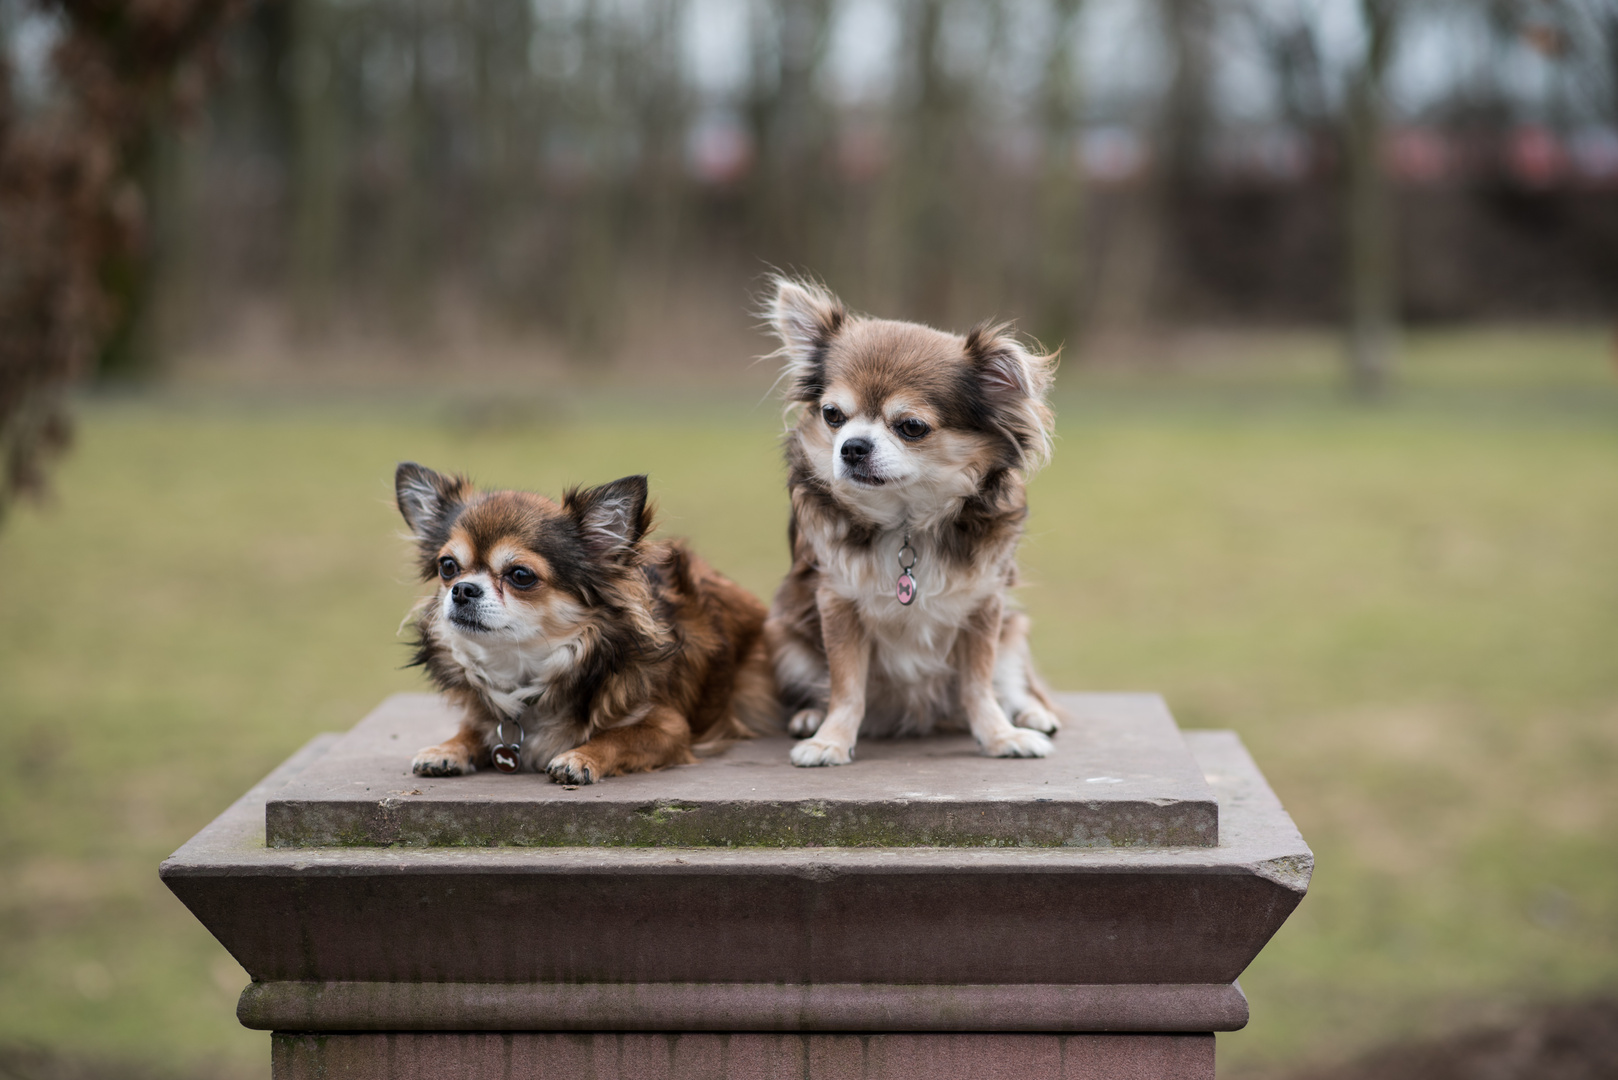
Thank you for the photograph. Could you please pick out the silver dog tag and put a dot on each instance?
(905, 587)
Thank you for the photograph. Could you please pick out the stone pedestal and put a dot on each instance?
(924, 912)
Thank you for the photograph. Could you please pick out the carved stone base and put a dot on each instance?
(751, 1056)
(924, 912)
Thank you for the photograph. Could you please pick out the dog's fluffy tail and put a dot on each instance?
(754, 707)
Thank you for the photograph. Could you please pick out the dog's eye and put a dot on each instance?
(447, 568)
(522, 577)
(913, 428)
(834, 416)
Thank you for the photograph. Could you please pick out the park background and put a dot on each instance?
(1334, 284)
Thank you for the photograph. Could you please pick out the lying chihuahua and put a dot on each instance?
(571, 642)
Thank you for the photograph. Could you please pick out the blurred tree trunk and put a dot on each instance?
(1292, 52)
(501, 30)
(1372, 270)
(1183, 131)
(1182, 145)
(791, 132)
(1146, 236)
(316, 198)
(404, 273)
(170, 318)
(128, 274)
(1061, 196)
(661, 117)
(156, 66)
(929, 227)
(1611, 36)
(590, 265)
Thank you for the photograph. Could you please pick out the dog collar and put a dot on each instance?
(905, 587)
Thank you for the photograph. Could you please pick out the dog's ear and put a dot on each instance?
(1014, 381)
(1005, 367)
(611, 518)
(427, 499)
(805, 317)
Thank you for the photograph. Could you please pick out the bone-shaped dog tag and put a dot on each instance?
(905, 589)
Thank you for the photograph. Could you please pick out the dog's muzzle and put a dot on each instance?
(466, 605)
(856, 454)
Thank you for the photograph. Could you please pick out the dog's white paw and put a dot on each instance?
(813, 752)
(1038, 718)
(572, 767)
(805, 722)
(1018, 742)
(442, 761)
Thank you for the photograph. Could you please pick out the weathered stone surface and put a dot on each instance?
(1121, 776)
(1014, 931)
(372, 1006)
(644, 1056)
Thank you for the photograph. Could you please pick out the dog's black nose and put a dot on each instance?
(856, 450)
(466, 591)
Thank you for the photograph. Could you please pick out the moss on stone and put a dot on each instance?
(670, 823)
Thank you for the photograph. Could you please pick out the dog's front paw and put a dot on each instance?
(1018, 742)
(573, 767)
(1038, 718)
(805, 722)
(813, 752)
(445, 760)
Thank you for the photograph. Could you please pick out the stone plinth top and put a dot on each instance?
(840, 939)
(1121, 776)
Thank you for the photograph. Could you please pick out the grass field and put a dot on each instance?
(1410, 613)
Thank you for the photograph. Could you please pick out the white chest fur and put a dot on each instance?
(910, 644)
(512, 674)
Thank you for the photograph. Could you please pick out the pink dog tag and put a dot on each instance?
(905, 589)
(506, 759)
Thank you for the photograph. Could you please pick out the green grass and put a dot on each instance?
(1410, 614)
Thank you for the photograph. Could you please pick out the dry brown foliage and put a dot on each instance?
(71, 206)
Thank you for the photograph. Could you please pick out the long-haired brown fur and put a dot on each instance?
(905, 435)
(611, 652)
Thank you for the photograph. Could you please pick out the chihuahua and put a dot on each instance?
(571, 642)
(907, 466)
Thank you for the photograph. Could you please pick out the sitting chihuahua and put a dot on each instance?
(907, 469)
